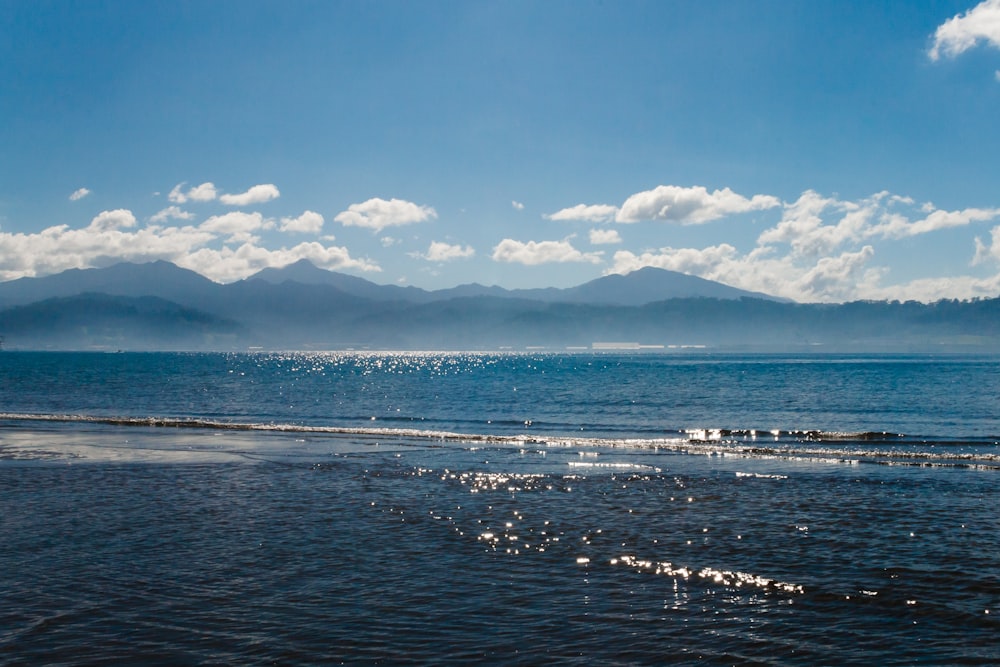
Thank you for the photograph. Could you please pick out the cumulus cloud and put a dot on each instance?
(944, 287)
(79, 194)
(804, 228)
(964, 31)
(805, 224)
(541, 252)
(439, 251)
(604, 236)
(107, 239)
(309, 222)
(822, 250)
(237, 225)
(817, 247)
(692, 206)
(837, 278)
(518, 206)
(205, 192)
(983, 252)
(171, 213)
(111, 237)
(258, 194)
(898, 226)
(230, 264)
(200, 193)
(991, 252)
(377, 214)
(116, 219)
(670, 203)
(694, 261)
(586, 212)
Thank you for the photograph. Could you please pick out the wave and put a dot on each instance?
(708, 435)
(749, 443)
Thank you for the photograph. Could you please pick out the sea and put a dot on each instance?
(523, 508)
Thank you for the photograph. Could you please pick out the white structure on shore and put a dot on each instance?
(623, 346)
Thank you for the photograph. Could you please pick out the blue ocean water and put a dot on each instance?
(429, 508)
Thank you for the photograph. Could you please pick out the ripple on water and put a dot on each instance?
(499, 554)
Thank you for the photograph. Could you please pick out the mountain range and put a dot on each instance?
(169, 281)
(637, 288)
(162, 306)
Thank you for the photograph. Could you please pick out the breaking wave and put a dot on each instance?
(883, 448)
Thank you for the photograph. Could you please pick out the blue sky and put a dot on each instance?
(822, 150)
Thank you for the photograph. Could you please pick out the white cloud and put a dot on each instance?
(818, 248)
(439, 251)
(847, 276)
(898, 226)
(204, 192)
(837, 278)
(106, 220)
(586, 212)
(802, 225)
(983, 252)
(258, 194)
(699, 262)
(518, 206)
(171, 213)
(963, 32)
(237, 225)
(309, 222)
(389, 241)
(109, 239)
(945, 287)
(805, 226)
(79, 194)
(671, 203)
(228, 264)
(541, 252)
(989, 252)
(604, 236)
(377, 214)
(822, 250)
(829, 279)
(693, 205)
(200, 193)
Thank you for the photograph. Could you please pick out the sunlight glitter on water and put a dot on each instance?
(726, 578)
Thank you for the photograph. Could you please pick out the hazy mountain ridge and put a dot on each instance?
(161, 279)
(112, 321)
(169, 281)
(306, 273)
(634, 289)
(161, 306)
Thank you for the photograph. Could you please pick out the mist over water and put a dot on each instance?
(434, 508)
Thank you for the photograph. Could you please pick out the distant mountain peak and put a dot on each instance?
(649, 284)
(156, 278)
(303, 271)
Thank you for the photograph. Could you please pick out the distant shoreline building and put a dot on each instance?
(623, 346)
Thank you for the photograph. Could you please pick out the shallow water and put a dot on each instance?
(299, 538)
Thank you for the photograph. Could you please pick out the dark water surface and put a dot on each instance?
(564, 509)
